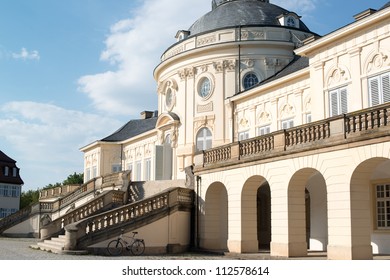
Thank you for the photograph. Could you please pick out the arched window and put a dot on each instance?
(250, 80)
(204, 139)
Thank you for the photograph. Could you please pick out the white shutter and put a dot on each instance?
(167, 168)
(374, 91)
(159, 161)
(344, 100)
(163, 160)
(334, 103)
(386, 88)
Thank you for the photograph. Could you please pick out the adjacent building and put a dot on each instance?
(10, 186)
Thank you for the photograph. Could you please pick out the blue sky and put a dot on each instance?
(72, 72)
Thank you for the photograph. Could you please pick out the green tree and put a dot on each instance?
(28, 198)
(74, 179)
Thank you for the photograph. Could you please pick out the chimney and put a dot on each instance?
(147, 115)
(364, 14)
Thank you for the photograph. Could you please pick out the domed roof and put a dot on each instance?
(231, 13)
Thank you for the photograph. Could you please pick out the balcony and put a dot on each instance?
(357, 128)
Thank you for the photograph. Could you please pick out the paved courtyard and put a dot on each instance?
(19, 249)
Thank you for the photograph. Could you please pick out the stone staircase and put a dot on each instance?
(56, 245)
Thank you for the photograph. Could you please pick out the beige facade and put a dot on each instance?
(267, 116)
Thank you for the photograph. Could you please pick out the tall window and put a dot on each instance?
(250, 80)
(148, 169)
(338, 101)
(383, 206)
(243, 135)
(204, 139)
(379, 89)
(286, 124)
(263, 130)
(138, 170)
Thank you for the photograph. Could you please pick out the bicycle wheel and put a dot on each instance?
(115, 247)
(138, 247)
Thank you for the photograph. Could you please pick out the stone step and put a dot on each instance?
(56, 245)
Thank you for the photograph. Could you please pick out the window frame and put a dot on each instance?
(206, 139)
(338, 101)
(381, 222)
(263, 130)
(248, 85)
(243, 135)
(287, 123)
(382, 96)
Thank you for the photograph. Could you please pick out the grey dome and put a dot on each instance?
(231, 13)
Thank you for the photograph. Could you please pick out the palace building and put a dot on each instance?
(282, 134)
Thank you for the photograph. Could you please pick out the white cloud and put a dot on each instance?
(24, 54)
(301, 7)
(46, 139)
(134, 47)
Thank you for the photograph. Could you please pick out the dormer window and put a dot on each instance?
(181, 35)
(290, 20)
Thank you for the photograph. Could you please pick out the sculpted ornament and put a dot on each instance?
(378, 61)
(338, 75)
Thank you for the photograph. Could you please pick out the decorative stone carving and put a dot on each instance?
(264, 118)
(243, 123)
(205, 108)
(338, 75)
(287, 111)
(207, 40)
(220, 66)
(377, 61)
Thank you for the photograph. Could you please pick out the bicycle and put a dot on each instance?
(136, 246)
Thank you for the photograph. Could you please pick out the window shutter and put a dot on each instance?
(386, 88)
(344, 100)
(159, 161)
(374, 91)
(167, 168)
(334, 104)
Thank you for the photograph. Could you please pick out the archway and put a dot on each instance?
(256, 215)
(370, 208)
(215, 222)
(307, 212)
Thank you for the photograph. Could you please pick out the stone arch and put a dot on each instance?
(298, 209)
(363, 207)
(214, 231)
(255, 214)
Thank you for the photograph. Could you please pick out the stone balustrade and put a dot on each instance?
(357, 126)
(121, 216)
(100, 203)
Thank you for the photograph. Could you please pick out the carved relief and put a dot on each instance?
(338, 75)
(207, 40)
(377, 61)
(205, 108)
(220, 66)
(287, 111)
(186, 73)
(264, 118)
(243, 123)
(307, 106)
(252, 35)
(205, 121)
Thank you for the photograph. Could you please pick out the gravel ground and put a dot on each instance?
(19, 249)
